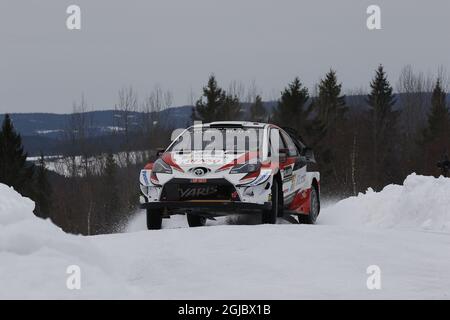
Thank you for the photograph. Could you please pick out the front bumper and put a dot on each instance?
(218, 207)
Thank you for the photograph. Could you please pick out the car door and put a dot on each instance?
(290, 166)
(295, 170)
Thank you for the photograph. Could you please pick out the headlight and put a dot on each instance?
(246, 168)
(161, 167)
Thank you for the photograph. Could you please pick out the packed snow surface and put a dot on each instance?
(404, 230)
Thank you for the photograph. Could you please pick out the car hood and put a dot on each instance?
(212, 160)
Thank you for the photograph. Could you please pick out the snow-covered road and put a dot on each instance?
(283, 262)
(228, 261)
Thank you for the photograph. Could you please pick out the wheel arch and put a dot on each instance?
(278, 178)
(315, 184)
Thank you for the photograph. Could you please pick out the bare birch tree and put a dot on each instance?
(125, 113)
(154, 120)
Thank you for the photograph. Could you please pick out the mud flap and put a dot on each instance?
(289, 218)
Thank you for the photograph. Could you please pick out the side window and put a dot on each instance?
(275, 134)
(300, 146)
(293, 152)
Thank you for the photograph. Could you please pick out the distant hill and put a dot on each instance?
(46, 131)
(102, 122)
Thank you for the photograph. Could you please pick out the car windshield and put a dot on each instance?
(219, 139)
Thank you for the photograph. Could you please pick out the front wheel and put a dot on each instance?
(270, 216)
(154, 219)
(314, 208)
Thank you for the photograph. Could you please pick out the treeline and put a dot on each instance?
(362, 140)
(98, 190)
(371, 141)
(89, 190)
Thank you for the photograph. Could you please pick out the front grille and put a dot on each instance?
(185, 190)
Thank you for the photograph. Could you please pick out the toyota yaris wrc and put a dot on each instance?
(224, 168)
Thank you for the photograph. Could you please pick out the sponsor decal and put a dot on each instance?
(288, 171)
(262, 178)
(145, 178)
(294, 182)
(198, 191)
(199, 180)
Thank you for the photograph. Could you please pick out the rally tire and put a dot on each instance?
(154, 219)
(314, 209)
(195, 220)
(270, 216)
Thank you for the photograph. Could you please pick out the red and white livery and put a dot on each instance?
(232, 167)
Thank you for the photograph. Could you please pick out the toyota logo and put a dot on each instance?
(199, 171)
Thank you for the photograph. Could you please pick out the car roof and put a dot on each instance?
(231, 124)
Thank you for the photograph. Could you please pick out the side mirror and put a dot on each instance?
(149, 166)
(159, 152)
(308, 154)
(283, 153)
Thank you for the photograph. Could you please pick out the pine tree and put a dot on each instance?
(43, 191)
(329, 106)
(215, 104)
(14, 170)
(383, 123)
(230, 110)
(328, 124)
(439, 118)
(436, 137)
(291, 110)
(257, 111)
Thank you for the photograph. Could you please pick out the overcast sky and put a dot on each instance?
(179, 43)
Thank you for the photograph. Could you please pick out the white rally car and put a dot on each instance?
(232, 167)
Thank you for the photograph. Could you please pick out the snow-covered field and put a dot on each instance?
(64, 165)
(404, 230)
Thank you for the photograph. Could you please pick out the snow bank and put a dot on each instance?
(421, 202)
(13, 207)
(35, 254)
